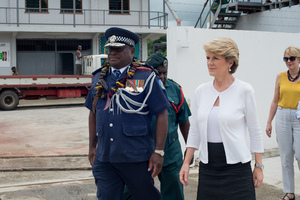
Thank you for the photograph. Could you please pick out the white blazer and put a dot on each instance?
(237, 112)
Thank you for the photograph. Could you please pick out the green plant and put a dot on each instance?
(160, 45)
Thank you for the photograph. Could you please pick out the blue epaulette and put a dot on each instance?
(97, 70)
(146, 66)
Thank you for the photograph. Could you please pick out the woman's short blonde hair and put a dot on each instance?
(225, 47)
(293, 51)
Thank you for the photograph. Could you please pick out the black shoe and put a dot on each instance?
(286, 195)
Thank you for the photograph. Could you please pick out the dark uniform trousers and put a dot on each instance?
(169, 176)
(111, 178)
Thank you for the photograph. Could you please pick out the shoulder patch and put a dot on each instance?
(161, 84)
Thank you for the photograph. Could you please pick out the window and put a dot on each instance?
(35, 45)
(71, 45)
(36, 5)
(52, 45)
(66, 6)
(118, 6)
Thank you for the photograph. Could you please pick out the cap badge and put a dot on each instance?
(165, 63)
(112, 39)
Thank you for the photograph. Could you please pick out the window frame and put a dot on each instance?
(121, 10)
(70, 10)
(37, 10)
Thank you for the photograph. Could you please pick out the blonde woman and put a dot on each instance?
(284, 105)
(222, 111)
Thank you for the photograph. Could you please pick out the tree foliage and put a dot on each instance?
(160, 46)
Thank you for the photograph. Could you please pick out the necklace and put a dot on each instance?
(102, 87)
(291, 78)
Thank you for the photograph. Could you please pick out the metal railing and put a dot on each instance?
(207, 16)
(82, 17)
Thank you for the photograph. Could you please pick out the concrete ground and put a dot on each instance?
(43, 155)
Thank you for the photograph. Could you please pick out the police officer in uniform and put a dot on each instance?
(179, 112)
(170, 185)
(122, 100)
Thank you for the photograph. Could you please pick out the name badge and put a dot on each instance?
(135, 85)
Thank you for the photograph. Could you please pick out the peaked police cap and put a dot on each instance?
(118, 37)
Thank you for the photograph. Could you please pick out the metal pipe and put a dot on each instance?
(173, 12)
(74, 4)
(148, 13)
(17, 13)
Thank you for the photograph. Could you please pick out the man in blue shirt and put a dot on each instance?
(122, 100)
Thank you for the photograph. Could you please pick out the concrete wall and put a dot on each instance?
(260, 61)
(5, 66)
(276, 20)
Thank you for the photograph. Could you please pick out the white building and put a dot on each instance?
(41, 36)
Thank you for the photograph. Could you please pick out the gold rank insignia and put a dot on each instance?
(135, 85)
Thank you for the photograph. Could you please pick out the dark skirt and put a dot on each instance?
(219, 180)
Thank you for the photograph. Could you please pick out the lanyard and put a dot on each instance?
(182, 100)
